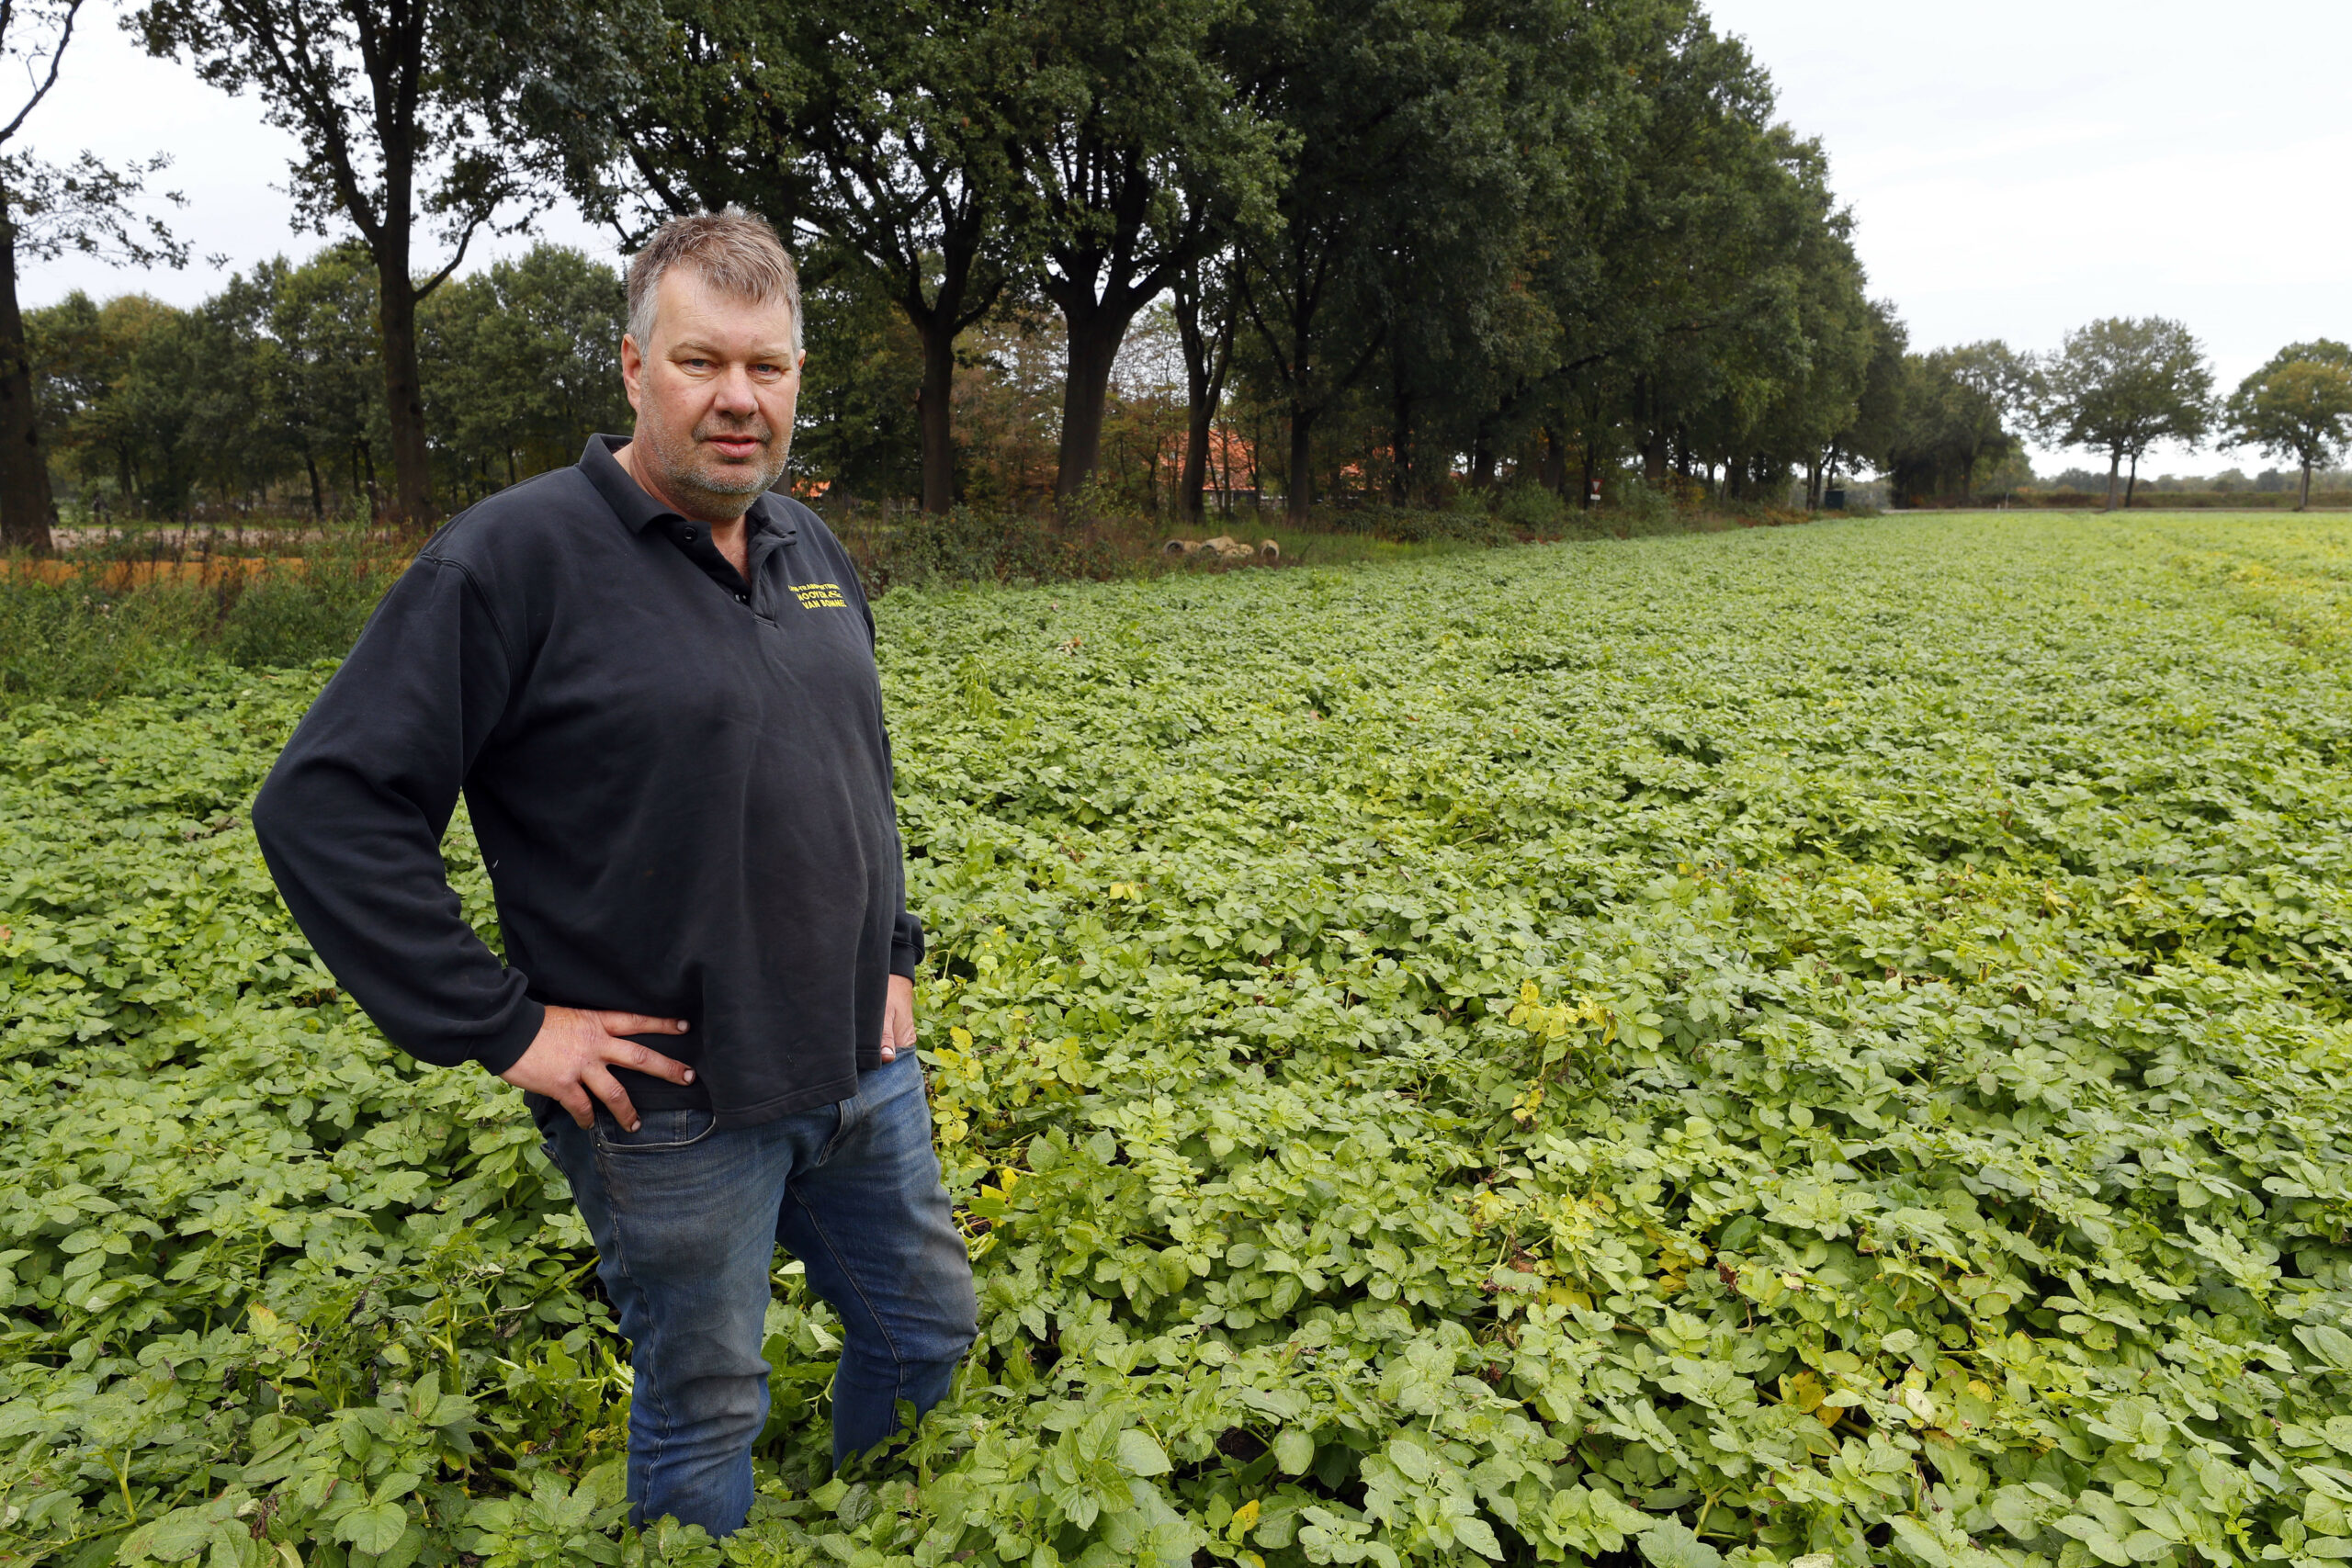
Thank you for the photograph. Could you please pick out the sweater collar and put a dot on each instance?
(637, 509)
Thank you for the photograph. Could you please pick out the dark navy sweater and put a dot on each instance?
(678, 775)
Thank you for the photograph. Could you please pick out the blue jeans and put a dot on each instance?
(686, 1220)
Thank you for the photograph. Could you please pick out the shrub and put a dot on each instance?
(1467, 519)
(72, 640)
(1639, 508)
(1532, 508)
(904, 548)
(110, 624)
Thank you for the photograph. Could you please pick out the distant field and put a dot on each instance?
(1820, 1040)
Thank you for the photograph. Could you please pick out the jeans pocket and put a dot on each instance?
(844, 1123)
(658, 1131)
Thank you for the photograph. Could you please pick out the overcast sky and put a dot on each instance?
(2016, 167)
(2019, 167)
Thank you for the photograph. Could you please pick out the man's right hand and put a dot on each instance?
(568, 1058)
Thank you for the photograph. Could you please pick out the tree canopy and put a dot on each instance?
(2120, 385)
(1389, 247)
(2298, 405)
(48, 208)
(408, 115)
(1437, 230)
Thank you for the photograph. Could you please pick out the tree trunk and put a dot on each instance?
(1222, 459)
(1206, 359)
(1653, 436)
(1553, 470)
(25, 500)
(2132, 483)
(938, 321)
(1095, 334)
(1195, 477)
(1300, 486)
(2114, 466)
(2304, 502)
(934, 413)
(1258, 464)
(1400, 449)
(318, 490)
(403, 387)
(1482, 460)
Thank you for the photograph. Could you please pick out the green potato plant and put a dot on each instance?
(1825, 1047)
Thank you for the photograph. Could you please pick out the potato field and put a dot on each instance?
(1823, 1045)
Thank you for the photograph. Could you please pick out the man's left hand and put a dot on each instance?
(899, 1019)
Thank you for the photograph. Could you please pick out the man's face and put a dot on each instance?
(714, 393)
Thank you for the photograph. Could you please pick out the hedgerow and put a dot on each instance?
(1729, 1049)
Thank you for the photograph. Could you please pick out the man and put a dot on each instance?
(653, 680)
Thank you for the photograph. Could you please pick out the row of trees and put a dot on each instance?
(1414, 234)
(275, 384)
(2269, 481)
(271, 392)
(1395, 240)
(2118, 387)
(269, 396)
(1417, 235)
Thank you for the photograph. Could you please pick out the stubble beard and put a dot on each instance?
(693, 473)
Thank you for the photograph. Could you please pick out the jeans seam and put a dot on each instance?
(661, 1408)
(881, 1323)
(603, 1175)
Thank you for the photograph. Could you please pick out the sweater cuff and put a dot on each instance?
(505, 1048)
(906, 945)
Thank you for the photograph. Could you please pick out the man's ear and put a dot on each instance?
(632, 368)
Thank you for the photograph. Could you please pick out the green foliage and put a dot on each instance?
(276, 383)
(1532, 508)
(857, 433)
(1957, 406)
(2298, 406)
(73, 642)
(1468, 521)
(1820, 1045)
(1644, 508)
(117, 394)
(89, 636)
(965, 545)
(520, 365)
(2123, 384)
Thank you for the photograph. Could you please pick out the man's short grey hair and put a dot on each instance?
(735, 252)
